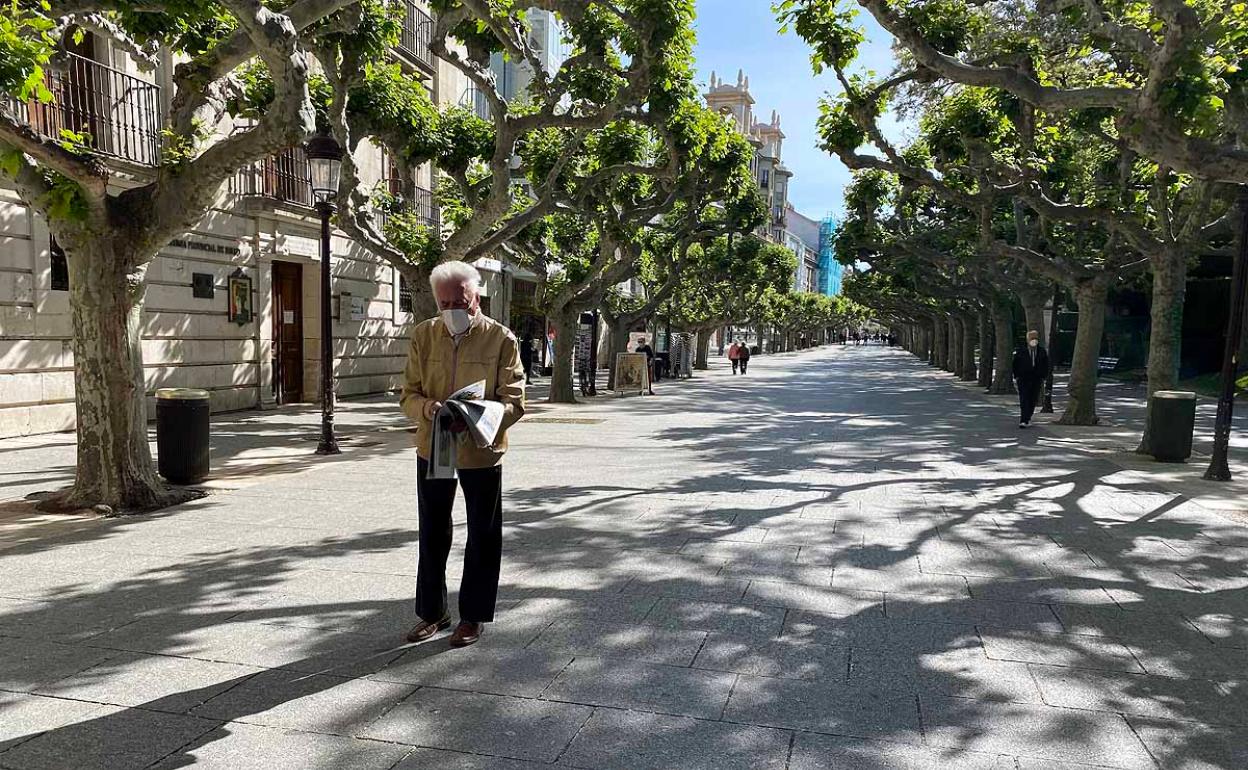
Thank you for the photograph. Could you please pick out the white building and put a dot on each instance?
(263, 228)
(736, 102)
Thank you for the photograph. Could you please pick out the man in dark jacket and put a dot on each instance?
(1031, 368)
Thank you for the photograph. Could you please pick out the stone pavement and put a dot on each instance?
(841, 560)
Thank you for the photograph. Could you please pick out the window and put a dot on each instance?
(405, 295)
(60, 267)
(766, 177)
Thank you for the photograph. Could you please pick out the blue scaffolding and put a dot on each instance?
(829, 268)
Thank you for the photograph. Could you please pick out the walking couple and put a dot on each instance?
(739, 355)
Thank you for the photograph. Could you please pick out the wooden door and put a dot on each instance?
(287, 332)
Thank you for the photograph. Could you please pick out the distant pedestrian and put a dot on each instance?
(459, 347)
(734, 355)
(1031, 368)
(526, 358)
(644, 347)
(743, 357)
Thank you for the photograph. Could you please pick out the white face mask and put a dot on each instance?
(1034, 343)
(457, 320)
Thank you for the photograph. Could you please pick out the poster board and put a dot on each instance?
(632, 373)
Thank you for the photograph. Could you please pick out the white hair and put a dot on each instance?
(454, 272)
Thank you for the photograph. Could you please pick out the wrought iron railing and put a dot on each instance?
(419, 203)
(116, 113)
(416, 34)
(282, 177)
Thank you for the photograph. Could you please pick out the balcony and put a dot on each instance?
(118, 114)
(283, 178)
(420, 203)
(416, 34)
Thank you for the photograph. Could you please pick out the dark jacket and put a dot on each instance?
(744, 355)
(1027, 371)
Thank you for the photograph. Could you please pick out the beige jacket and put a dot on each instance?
(437, 366)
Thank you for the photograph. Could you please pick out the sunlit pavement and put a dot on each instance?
(840, 560)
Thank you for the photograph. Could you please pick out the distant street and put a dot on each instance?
(842, 559)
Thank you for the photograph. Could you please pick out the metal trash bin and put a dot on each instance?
(1171, 421)
(182, 434)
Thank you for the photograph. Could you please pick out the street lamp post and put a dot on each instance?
(1219, 467)
(325, 164)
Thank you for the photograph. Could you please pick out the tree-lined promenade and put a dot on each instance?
(1062, 150)
(609, 169)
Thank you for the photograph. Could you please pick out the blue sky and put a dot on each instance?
(744, 34)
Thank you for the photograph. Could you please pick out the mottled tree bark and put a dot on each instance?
(562, 389)
(967, 373)
(701, 355)
(940, 331)
(1165, 337)
(1003, 353)
(1081, 396)
(114, 462)
(986, 349)
(1033, 310)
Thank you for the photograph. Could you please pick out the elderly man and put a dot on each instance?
(1031, 368)
(457, 348)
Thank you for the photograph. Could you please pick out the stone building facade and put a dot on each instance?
(263, 229)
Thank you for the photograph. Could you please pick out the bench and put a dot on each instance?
(1106, 364)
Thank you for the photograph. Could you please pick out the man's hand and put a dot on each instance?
(431, 408)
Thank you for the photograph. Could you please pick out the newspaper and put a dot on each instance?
(483, 419)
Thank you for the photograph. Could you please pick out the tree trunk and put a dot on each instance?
(940, 331)
(986, 347)
(562, 389)
(703, 351)
(931, 343)
(1081, 396)
(954, 338)
(968, 349)
(1003, 354)
(114, 463)
(1033, 311)
(619, 344)
(1165, 337)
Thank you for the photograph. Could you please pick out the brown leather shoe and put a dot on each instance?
(466, 633)
(424, 629)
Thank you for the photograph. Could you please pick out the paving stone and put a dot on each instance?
(785, 657)
(1036, 617)
(287, 699)
(965, 673)
(615, 609)
(26, 716)
(494, 725)
(1188, 746)
(631, 641)
(1031, 731)
(250, 747)
(876, 632)
(741, 619)
(155, 682)
(825, 707)
(812, 751)
(1189, 700)
(483, 667)
(643, 687)
(111, 738)
(1072, 650)
(829, 601)
(423, 759)
(630, 740)
(26, 664)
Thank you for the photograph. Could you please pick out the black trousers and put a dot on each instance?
(1028, 396)
(745, 362)
(483, 551)
(735, 365)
